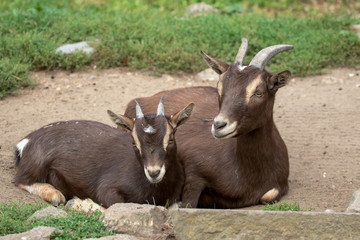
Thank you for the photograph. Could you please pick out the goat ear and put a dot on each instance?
(218, 66)
(279, 80)
(179, 118)
(121, 121)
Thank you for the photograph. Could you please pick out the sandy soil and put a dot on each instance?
(317, 116)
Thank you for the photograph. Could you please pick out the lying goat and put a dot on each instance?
(250, 164)
(89, 159)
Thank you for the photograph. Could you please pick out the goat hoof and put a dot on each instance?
(56, 198)
(270, 196)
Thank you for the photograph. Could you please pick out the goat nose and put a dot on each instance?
(219, 125)
(154, 174)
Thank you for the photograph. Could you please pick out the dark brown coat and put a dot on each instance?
(249, 165)
(89, 159)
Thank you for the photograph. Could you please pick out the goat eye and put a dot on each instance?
(258, 94)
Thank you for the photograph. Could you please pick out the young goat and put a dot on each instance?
(89, 159)
(250, 164)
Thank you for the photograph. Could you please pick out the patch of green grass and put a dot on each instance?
(283, 206)
(151, 37)
(76, 225)
(13, 75)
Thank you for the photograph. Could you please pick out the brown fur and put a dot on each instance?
(89, 159)
(234, 172)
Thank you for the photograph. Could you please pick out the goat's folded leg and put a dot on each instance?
(270, 196)
(46, 191)
(107, 197)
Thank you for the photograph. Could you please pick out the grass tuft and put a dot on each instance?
(283, 206)
(76, 225)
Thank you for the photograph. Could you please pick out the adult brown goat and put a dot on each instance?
(89, 159)
(250, 164)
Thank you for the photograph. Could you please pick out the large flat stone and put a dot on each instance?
(256, 224)
(139, 220)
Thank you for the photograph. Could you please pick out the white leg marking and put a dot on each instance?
(21, 145)
(46, 192)
(269, 196)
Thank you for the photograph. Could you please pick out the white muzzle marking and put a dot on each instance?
(227, 132)
(159, 177)
(21, 145)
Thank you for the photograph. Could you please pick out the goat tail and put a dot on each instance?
(17, 157)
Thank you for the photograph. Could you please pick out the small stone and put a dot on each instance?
(73, 75)
(207, 75)
(200, 9)
(58, 89)
(49, 211)
(351, 74)
(86, 205)
(329, 211)
(38, 233)
(75, 47)
(355, 203)
(168, 78)
(26, 103)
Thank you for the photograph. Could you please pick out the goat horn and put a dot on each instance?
(261, 58)
(139, 113)
(242, 51)
(160, 109)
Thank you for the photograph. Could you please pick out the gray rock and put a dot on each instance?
(257, 224)
(356, 29)
(140, 220)
(200, 9)
(49, 211)
(86, 205)
(207, 75)
(116, 237)
(71, 48)
(355, 203)
(37, 233)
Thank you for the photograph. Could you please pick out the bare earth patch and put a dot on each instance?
(318, 117)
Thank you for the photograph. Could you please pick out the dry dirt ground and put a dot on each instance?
(318, 117)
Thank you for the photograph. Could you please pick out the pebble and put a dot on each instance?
(329, 211)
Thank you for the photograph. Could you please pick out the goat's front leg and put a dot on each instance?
(108, 197)
(192, 191)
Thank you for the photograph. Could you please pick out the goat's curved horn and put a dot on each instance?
(261, 58)
(139, 113)
(160, 109)
(242, 51)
